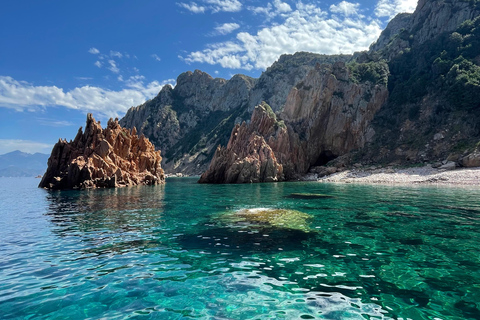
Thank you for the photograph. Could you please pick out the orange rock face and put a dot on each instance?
(248, 156)
(103, 158)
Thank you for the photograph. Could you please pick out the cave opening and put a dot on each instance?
(324, 157)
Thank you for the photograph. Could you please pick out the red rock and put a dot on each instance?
(103, 158)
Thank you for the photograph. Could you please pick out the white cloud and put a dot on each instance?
(212, 5)
(156, 57)
(224, 5)
(116, 54)
(94, 51)
(192, 7)
(390, 8)
(113, 66)
(28, 146)
(23, 96)
(98, 64)
(306, 28)
(282, 7)
(272, 9)
(226, 28)
(345, 8)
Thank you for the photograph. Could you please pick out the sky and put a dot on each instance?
(60, 60)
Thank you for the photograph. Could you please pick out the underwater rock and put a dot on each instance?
(268, 218)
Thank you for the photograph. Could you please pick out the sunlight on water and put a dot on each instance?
(184, 250)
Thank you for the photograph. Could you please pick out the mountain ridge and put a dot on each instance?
(21, 164)
(427, 60)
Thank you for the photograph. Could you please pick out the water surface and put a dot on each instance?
(172, 252)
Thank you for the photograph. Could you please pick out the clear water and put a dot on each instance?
(371, 252)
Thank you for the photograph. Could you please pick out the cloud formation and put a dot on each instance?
(305, 28)
(272, 9)
(226, 28)
(94, 51)
(28, 146)
(156, 57)
(192, 7)
(213, 6)
(21, 96)
(345, 8)
(390, 8)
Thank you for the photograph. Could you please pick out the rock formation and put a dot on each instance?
(103, 158)
(413, 97)
(190, 120)
(248, 156)
(326, 115)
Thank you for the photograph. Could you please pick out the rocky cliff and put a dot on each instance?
(430, 19)
(413, 97)
(434, 85)
(103, 158)
(327, 114)
(192, 119)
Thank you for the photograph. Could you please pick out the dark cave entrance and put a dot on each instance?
(324, 158)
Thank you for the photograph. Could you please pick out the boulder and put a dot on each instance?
(450, 165)
(471, 160)
(103, 158)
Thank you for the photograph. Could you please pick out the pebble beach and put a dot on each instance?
(417, 175)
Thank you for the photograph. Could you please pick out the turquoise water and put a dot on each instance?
(171, 252)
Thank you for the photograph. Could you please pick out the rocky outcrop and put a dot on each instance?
(190, 120)
(248, 156)
(103, 158)
(326, 115)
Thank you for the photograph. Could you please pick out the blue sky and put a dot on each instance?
(60, 60)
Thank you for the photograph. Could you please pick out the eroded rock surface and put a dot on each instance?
(103, 158)
(326, 115)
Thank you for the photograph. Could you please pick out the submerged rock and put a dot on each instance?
(268, 218)
(103, 158)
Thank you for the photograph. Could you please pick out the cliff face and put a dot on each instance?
(413, 97)
(103, 158)
(248, 156)
(326, 115)
(192, 119)
(434, 84)
(430, 19)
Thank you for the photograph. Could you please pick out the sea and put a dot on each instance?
(192, 251)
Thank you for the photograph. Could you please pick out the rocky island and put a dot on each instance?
(103, 158)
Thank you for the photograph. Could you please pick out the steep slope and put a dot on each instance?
(430, 62)
(433, 112)
(190, 120)
(327, 114)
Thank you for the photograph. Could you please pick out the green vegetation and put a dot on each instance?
(375, 72)
(448, 65)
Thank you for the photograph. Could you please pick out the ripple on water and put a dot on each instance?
(206, 251)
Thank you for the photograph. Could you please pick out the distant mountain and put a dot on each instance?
(21, 164)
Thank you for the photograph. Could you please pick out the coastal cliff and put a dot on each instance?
(103, 158)
(190, 120)
(412, 98)
(327, 114)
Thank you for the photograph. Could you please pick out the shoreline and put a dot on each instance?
(469, 177)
